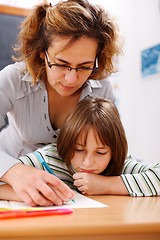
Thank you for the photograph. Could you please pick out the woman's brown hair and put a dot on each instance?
(103, 117)
(74, 18)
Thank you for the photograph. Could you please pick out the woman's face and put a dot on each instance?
(79, 54)
(90, 156)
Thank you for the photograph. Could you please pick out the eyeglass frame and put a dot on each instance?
(94, 69)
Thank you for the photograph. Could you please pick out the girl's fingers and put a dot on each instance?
(78, 182)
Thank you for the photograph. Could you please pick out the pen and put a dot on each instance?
(46, 166)
(23, 214)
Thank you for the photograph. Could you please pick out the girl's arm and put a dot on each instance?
(137, 179)
(93, 184)
(7, 193)
(141, 179)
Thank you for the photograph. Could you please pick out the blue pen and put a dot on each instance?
(46, 166)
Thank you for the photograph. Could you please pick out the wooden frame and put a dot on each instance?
(10, 17)
(10, 10)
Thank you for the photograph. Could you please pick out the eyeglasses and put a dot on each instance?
(61, 67)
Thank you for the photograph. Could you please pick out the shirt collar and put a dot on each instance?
(88, 88)
(27, 78)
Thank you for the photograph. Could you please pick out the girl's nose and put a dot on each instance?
(88, 161)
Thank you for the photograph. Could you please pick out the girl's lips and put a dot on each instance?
(87, 171)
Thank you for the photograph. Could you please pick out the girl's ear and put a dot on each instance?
(42, 55)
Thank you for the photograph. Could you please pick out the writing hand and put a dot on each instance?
(37, 187)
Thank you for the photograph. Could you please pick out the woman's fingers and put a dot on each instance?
(37, 187)
(59, 188)
(35, 199)
(43, 196)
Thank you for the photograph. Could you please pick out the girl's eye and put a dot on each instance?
(78, 150)
(101, 153)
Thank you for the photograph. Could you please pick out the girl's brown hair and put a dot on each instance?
(74, 18)
(103, 116)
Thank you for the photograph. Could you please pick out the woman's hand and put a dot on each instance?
(37, 187)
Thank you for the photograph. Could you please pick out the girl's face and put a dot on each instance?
(79, 54)
(93, 157)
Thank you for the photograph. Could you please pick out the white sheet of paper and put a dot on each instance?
(81, 201)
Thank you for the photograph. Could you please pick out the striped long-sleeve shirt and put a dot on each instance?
(139, 178)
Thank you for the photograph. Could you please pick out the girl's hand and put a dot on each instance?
(37, 187)
(92, 184)
(88, 183)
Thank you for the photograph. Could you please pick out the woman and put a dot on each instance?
(66, 52)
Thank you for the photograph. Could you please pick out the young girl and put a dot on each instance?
(92, 147)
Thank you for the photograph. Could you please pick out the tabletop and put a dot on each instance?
(125, 218)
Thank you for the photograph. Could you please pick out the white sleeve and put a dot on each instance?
(7, 96)
(6, 162)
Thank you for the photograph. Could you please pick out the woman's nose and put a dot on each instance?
(71, 76)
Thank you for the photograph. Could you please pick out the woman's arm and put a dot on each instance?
(37, 187)
(34, 185)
